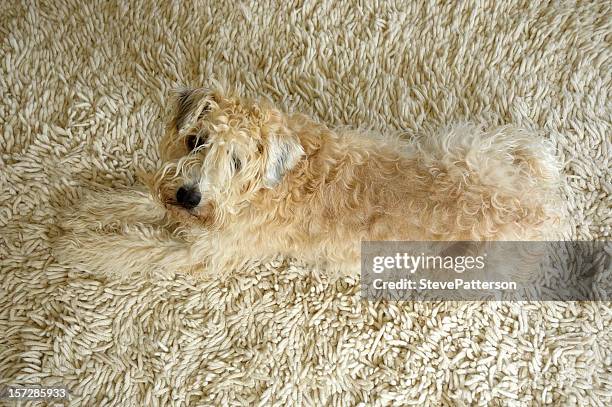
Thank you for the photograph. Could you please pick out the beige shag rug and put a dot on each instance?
(84, 88)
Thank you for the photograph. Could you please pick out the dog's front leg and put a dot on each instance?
(120, 232)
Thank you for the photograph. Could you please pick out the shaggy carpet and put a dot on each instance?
(85, 88)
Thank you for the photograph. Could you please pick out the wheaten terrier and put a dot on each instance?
(241, 181)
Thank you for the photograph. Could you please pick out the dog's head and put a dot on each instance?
(219, 152)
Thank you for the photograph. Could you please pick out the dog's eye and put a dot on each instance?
(204, 111)
(194, 141)
(236, 163)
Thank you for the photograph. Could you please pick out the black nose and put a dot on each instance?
(188, 198)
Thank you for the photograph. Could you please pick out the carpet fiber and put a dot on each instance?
(85, 88)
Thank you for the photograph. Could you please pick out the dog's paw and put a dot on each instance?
(128, 249)
(116, 231)
(110, 210)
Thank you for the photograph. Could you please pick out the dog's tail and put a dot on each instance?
(501, 184)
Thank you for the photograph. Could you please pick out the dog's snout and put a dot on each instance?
(188, 198)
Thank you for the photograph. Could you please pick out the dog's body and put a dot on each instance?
(241, 181)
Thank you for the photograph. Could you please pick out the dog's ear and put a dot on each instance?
(184, 102)
(283, 153)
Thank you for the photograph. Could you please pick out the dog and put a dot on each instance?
(242, 181)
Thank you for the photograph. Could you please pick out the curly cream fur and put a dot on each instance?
(277, 184)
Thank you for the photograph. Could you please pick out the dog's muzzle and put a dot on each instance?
(188, 197)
